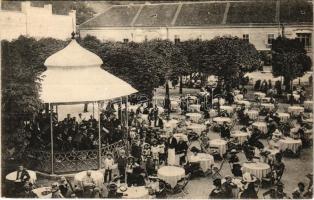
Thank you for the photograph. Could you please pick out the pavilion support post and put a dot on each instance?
(99, 138)
(57, 112)
(51, 139)
(121, 113)
(93, 110)
(127, 114)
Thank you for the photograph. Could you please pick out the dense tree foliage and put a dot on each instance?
(289, 59)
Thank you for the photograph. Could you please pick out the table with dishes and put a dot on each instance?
(140, 192)
(13, 175)
(171, 174)
(240, 135)
(289, 143)
(195, 108)
(197, 128)
(259, 94)
(195, 117)
(284, 116)
(96, 175)
(220, 144)
(262, 126)
(221, 120)
(258, 169)
(228, 109)
(253, 114)
(205, 160)
(295, 110)
(268, 106)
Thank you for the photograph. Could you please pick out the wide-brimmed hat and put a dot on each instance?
(249, 178)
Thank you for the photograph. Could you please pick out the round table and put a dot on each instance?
(96, 175)
(171, 123)
(171, 174)
(259, 94)
(195, 117)
(229, 109)
(195, 108)
(253, 114)
(243, 102)
(289, 143)
(197, 128)
(242, 136)
(181, 135)
(269, 106)
(39, 192)
(262, 126)
(221, 120)
(12, 176)
(284, 116)
(221, 102)
(136, 193)
(221, 144)
(205, 160)
(257, 169)
(295, 109)
(308, 105)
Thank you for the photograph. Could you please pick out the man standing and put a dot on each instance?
(171, 145)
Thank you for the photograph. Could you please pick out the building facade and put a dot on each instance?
(256, 21)
(36, 22)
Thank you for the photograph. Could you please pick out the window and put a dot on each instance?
(270, 38)
(176, 39)
(305, 39)
(246, 37)
(125, 40)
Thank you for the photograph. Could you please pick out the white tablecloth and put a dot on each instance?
(284, 116)
(253, 114)
(195, 108)
(12, 176)
(268, 106)
(229, 109)
(205, 160)
(262, 126)
(308, 105)
(221, 120)
(242, 136)
(171, 124)
(221, 144)
(194, 116)
(259, 94)
(289, 143)
(257, 169)
(221, 102)
(171, 174)
(295, 96)
(197, 128)
(136, 193)
(246, 103)
(39, 191)
(295, 109)
(96, 175)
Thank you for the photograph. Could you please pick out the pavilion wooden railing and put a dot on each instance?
(74, 161)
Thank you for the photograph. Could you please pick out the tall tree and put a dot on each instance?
(289, 60)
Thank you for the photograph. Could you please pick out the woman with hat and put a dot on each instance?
(249, 191)
(55, 192)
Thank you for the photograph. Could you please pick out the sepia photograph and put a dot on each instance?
(192, 99)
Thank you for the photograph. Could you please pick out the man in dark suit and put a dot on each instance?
(22, 176)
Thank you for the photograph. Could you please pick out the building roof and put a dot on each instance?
(225, 13)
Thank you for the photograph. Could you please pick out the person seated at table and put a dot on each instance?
(113, 192)
(129, 170)
(181, 150)
(170, 146)
(277, 192)
(89, 184)
(230, 98)
(217, 192)
(278, 167)
(254, 138)
(55, 191)
(248, 150)
(300, 118)
(249, 191)
(63, 186)
(227, 187)
(153, 184)
(309, 189)
(299, 192)
(108, 164)
(225, 131)
(235, 163)
(22, 175)
(277, 134)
